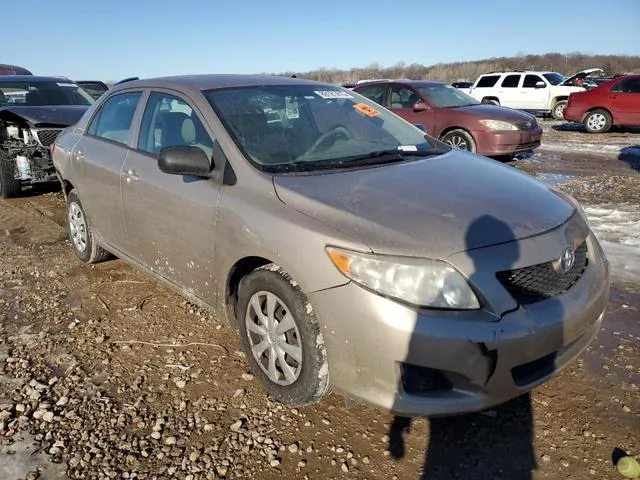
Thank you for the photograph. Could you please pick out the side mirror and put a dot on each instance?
(420, 107)
(541, 84)
(184, 161)
(420, 126)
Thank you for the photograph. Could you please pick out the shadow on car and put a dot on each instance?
(497, 443)
(631, 155)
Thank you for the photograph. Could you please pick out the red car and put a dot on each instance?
(616, 102)
(455, 117)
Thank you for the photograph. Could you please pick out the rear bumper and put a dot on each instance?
(493, 143)
(573, 114)
(384, 353)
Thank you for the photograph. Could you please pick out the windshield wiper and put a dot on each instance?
(380, 157)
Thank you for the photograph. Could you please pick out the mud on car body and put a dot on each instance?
(33, 111)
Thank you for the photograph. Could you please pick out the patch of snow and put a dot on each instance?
(617, 227)
(626, 149)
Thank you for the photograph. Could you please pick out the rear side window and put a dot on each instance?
(511, 81)
(169, 121)
(531, 80)
(630, 85)
(375, 93)
(488, 81)
(113, 121)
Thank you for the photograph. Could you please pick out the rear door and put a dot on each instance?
(624, 99)
(170, 219)
(99, 156)
(509, 91)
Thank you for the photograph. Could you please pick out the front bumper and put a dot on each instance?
(486, 358)
(494, 143)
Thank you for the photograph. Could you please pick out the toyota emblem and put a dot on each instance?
(567, 259)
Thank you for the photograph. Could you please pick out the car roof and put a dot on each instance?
(31, 79)
(516, 71)
(214, 81)
(405, 81)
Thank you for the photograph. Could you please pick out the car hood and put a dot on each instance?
(426, 207)
(494, 112)
(46, 116)
(582, 74)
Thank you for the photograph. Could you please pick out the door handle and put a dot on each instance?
(130, 175)
(79, 155)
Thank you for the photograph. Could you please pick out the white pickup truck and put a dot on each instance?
(536, 92)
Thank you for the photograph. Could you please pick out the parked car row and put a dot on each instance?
(352, 251)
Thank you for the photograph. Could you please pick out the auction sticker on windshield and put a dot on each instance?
(331, 94)
(366, 109)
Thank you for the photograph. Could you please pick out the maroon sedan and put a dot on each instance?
(616, 102)
(456, 118)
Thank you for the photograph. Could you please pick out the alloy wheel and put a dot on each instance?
(77, 227)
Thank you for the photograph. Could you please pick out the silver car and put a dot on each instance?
(353, 252)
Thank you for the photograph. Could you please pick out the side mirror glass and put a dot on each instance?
(184, 161)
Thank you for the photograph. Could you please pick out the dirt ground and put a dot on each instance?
(104, 373)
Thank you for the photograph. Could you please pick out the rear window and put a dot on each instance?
(488, 81)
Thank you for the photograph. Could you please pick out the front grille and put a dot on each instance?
(47, 136)
(531, 284)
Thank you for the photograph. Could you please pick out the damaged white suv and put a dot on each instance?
(33, 111)
(536, 92)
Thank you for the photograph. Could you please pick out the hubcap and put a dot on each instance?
(457, 142)
(560, 110)
(597, 121)
(274, 338)
(77, 227)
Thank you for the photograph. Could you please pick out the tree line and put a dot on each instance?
(567, 64)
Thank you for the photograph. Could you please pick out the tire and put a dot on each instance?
(308, 379)
(459, 138)
(597, 121)
(81, 234)
(558, 110)
(9, 186)
(490, 101)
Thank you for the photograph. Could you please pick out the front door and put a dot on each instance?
(171, 218)
(99, 156)
(534, 97)
(402, 100)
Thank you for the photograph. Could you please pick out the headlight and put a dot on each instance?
(498, 125)
(420, 282)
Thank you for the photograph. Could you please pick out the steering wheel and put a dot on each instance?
(335, 131)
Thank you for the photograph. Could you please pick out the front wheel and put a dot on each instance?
(10, 186)
(459, 139)
(558, 110)
(597, 121)
(282, 338)
(80, 233)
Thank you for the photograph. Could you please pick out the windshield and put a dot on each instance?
(446, 96)
(38, 94)
(554, 78)
(301, 127)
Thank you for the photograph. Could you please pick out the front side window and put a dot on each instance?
(282, 128)
(446, 96)
(402, 97)
(488, 81)
(169, 121)
(511, 81)
(43, 93)
(531, 80)
(113, 120)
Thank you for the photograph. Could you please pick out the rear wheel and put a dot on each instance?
(459, 139)
(558, 110)
(597, 121)
(281, 337)
(9, 185)
(81, 234)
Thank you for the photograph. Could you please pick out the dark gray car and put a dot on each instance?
(351, 250)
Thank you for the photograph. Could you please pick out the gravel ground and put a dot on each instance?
(104, 373)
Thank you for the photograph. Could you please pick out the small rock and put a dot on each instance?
(626, 409)
(326, 421)
(239, 393)
(21, 407)
(48, 417)
(32, 475)
(365, 460)
(293, 448)
(193, 456)
(221, 470)
(247, 376)
(156, 435)
(181, 383)
(236, 426)
(345, 468)
(170, 441)
(99, 339)
(339, 450)
(275, 462)
(386, 453)
(62, 401)
(302, 463)
(546, 458)
(386, 438)
(564, 462)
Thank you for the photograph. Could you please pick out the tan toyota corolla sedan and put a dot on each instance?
(353, 252)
